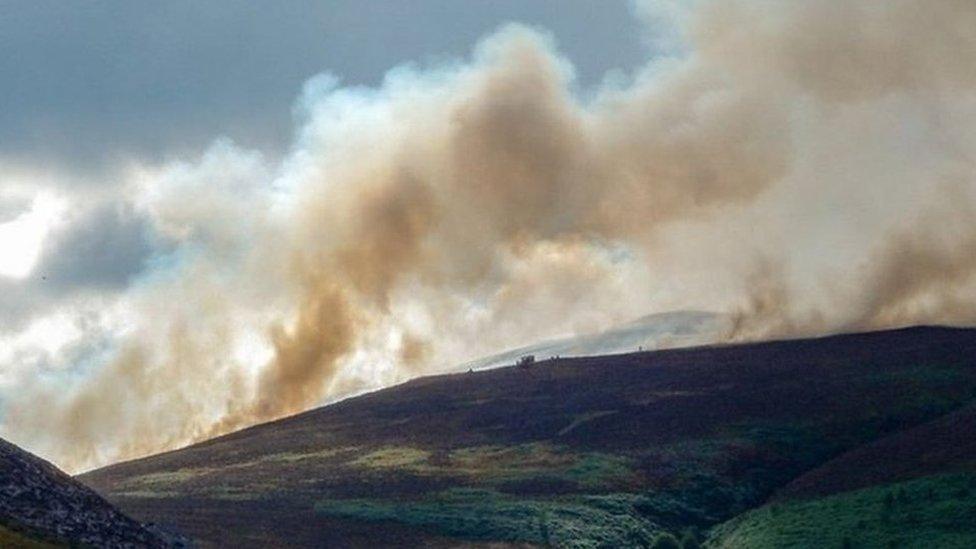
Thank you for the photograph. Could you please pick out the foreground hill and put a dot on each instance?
(586, 452)
(41, 506)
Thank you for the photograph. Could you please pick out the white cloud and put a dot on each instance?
(22, 240)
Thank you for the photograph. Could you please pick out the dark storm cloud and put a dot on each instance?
(98, 251)
(102, 249)
(85, 83)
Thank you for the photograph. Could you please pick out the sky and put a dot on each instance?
(219, 213)
(89, 83)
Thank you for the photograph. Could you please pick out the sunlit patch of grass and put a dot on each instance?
(936, 511)
(499, 460)
(499, 464)
(595, 470)
(147, 494)
(397, 457)
(222, 492)
(164, 478)
(478, 514)
(181, 481)
(292, 457)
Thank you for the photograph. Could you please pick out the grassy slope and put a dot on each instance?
(936, 511)
(10, 539)
(600, 451)
(944, 445)
(478, 514)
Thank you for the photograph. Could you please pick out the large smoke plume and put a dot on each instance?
(806, 165)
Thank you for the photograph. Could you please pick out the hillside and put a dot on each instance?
(41, 506)
(945, 445)
(930, 512)
(581, 452)
(915, 488)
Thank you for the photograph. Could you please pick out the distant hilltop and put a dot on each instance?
(651, 332)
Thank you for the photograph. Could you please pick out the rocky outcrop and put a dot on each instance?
(38, 499)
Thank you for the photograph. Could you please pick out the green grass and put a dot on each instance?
(937, 512)
(292, 457)
(474, 514)
(394, 458)
(147, 494)
(496, 465)
(596, 470)
(152, 481)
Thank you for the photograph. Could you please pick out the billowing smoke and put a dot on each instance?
(805, 165)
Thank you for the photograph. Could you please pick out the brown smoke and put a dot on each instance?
(926, 276)
(907, 60)
(304, 358)
(508, 162)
